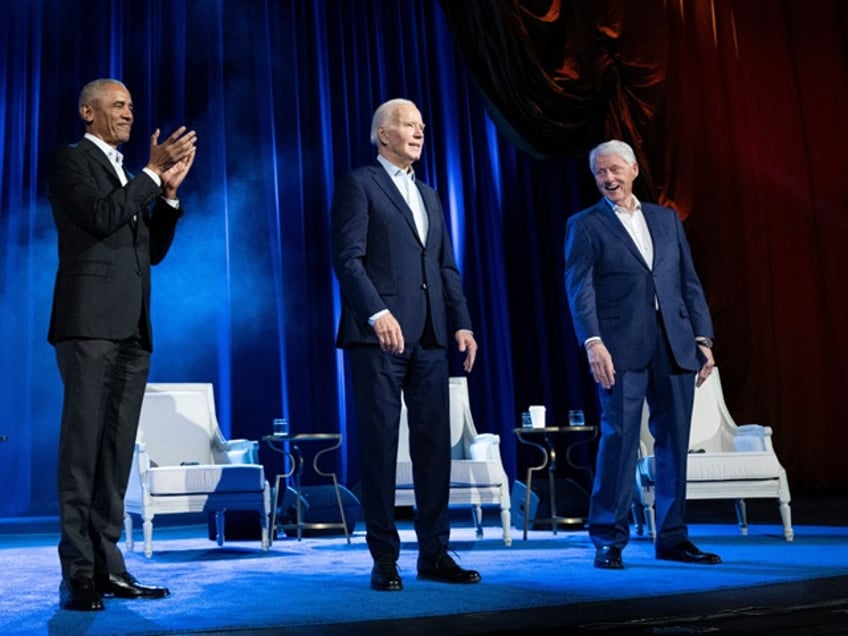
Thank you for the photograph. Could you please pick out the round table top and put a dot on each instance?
(553, 429)
(300, 437)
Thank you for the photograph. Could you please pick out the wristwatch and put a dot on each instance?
(706, 342)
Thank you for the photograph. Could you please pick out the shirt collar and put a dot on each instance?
(620, 209)
(113, 154)
(395, 171)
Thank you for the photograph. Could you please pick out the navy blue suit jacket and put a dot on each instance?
(381, 263)
(612, 291)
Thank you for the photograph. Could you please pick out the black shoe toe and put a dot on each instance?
(385, 577)
(687, 552)
(79, 594)
(608, 557)
(445, 570)
(125, 585)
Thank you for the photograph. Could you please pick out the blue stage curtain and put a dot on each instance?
(281, 94)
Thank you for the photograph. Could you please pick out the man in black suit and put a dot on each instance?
(403, 299)
(100, 329)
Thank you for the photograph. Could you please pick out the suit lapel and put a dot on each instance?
(609, 219)
(658, 230)
(384, 181)
(96, 155)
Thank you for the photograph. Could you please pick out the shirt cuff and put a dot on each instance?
(589, 341)
(379, 314)
(153, 176)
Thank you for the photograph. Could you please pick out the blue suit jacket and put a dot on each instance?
(611, 290)
(381, 263)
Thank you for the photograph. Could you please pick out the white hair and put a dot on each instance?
(384, 112)
(612, 147)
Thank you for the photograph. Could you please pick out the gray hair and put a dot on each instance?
(612, 147)
(383, 112)
(89, 92)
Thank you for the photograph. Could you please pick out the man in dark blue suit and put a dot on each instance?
(639, 310)
(402, 303)
(111, 227)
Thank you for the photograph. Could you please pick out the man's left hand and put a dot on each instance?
(173, 176)
(468, 346)
(707, 367)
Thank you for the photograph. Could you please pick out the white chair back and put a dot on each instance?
(179, 431)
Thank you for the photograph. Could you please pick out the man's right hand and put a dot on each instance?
(178, 146)
(600, 362)
(389, 333)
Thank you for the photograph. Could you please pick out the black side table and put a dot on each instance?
(277, 442)
(549, 459)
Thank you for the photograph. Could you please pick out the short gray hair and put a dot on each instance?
(383, 112)
(90, 91)
(612, 147)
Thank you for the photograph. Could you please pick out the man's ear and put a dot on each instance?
(85, 114)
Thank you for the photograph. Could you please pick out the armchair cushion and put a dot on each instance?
(190, 480)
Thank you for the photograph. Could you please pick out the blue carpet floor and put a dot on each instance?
(320, 585)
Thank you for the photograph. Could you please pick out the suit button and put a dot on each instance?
(424, 286)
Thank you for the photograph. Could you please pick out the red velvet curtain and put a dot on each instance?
(737, 111)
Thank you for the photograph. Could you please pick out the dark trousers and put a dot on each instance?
(670, 392)
(104, 384)
(378, 378)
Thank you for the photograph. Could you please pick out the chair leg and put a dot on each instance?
(147, 527)
(786, 517)
(477, 518)
(638, 518)
(219, 527)
(128, 530)
(506, 523)
(742, 515)
(263, 524)
(651, 520)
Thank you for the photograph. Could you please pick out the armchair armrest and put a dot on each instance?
(752, 438)
(241, 451)
(484, 447)
(142, 459)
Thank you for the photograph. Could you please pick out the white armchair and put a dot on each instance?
(478, 477)
(182, 464)
(725, 461)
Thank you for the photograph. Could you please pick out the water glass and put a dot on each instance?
(281, 426)
(576, 418)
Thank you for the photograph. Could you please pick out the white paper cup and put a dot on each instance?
(537, 416)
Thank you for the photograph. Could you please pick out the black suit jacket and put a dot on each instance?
(381, 262)
(108, 238)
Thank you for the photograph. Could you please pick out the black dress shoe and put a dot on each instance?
(385, 577)
(124, 585)
(687, 552)
(608, 557)
(79, 594)
(445, 570)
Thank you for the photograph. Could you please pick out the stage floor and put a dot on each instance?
(545, 585)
